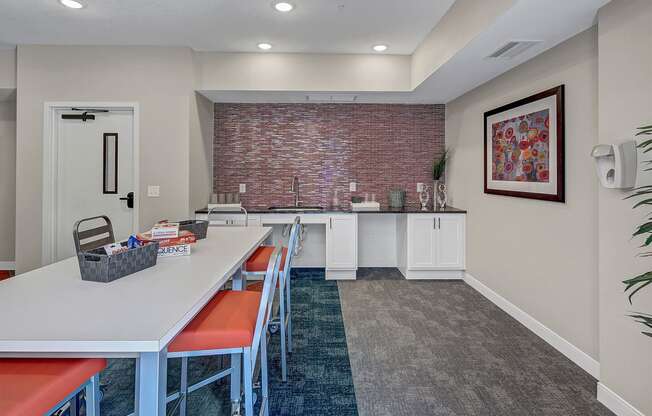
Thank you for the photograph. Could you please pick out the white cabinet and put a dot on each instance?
(435, 246)
(341, 246)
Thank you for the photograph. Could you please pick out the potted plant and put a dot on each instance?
(635, 284)
(438, 171)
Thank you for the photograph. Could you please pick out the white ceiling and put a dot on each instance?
(315, 26)
(548, 21)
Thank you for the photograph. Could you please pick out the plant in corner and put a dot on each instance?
(635, 284)
(439, 166)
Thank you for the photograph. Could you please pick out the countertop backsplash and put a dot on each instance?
(378, 146)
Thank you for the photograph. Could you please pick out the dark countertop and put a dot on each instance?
(406, 210)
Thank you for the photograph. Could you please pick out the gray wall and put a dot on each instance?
(161, 80)
(541, 256)
(7, 179)
(625, 62)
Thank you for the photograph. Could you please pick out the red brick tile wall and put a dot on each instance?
(379, 146)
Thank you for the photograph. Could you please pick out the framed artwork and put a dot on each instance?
(524, 147)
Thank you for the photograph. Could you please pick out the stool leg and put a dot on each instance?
(248, 382)
(236, 366)
(284, 371)
(264, 377)
(93, 396)
(289, 309)
(183, 388)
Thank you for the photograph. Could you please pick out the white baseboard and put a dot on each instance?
(615, 403)
(579, 357)
(341, 274)
(7, 265)
(433, 274)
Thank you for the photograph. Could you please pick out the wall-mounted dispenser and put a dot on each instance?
(616, 164)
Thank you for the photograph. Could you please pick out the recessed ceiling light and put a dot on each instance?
(265, 46)
(72, 4)
(380, 48)
(283, 6)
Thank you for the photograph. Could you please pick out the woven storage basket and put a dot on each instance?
(197, 227)
(96, 266)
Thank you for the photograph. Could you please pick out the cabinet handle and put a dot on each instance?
(434, 223)
(439, 223)
(330, 222)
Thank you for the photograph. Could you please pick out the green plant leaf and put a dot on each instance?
(643, 202)
(644, 127)
(642, 229)
(637, 283)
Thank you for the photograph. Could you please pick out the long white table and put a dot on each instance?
(51, 312)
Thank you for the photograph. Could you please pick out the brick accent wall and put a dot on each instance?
(379, 146)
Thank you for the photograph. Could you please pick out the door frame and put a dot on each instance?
(50, 167)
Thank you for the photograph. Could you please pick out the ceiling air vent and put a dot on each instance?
(513, 48)
(336, 98)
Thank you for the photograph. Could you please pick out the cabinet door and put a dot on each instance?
(421, 241)
(450, 243)
(342, 242)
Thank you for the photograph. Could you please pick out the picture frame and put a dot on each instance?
(524, 147)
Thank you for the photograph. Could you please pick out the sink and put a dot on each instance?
(296, 209)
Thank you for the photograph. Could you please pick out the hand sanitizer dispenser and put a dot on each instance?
(616, 164)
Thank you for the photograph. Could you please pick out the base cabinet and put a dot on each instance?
(342, 246)
(434, 246)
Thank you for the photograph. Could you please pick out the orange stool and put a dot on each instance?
(40, 386)
(233, 323)
(256, 264)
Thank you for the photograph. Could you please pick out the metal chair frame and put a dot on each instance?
(93, 397)
(247, 354)
(284, 318)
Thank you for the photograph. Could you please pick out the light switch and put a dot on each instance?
(243, 188)
(153, 191)
(419, 187)
(353, 187)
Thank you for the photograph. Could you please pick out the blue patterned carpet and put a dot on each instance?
(319, 373)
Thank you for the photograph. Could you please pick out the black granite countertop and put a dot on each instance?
(406, 210)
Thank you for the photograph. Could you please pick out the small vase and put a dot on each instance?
(435, 191)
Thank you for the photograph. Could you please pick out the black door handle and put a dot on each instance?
(130, 199)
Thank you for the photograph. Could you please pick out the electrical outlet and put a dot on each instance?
(153, 191)
(353, 186)
(243, 188)
(419, 187)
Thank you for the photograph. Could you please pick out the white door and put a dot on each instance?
(422, 235)
(95, 169)
(342, 242)
(450, 244)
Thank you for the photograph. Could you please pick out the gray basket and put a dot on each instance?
(198, 227)
(396, 198)
(96, 266)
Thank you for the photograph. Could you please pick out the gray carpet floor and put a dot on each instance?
(441, 348)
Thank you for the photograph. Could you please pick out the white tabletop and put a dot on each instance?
(51, 310)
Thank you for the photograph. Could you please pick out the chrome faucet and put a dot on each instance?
(295, 190)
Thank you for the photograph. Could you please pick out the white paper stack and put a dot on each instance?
(365, 206)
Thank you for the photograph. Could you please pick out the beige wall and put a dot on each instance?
(159, 79)
(625, 66)
(7, 179)
(541, 256)
(461, 23)
(201, 151)
(7, 68)
(304, 72)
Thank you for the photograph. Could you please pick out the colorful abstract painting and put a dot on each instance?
(524, 147)
(521, 150)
